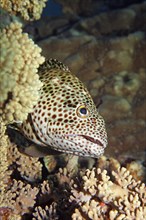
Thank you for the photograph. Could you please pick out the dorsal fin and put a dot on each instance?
(53, 64)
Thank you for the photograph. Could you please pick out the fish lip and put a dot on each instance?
(89, 138)
(93, 140)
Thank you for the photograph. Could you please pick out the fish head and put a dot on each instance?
(74, 124)
(65, 119)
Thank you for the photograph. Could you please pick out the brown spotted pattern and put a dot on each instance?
(65, 117)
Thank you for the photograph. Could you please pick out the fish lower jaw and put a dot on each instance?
(78, 144)
(82, 153)
(98, 142)
(75, 146)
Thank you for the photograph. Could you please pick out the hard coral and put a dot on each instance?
(49, 212)
(96, 193)
(20, 197)
(28, 9)
(4, 143)
(29, 168)
(101, 196)
(19, 83)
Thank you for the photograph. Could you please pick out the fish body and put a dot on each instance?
(65, 119)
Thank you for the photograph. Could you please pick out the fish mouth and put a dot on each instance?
(88, 138)
(95, 141)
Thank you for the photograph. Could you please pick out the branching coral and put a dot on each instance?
(19, 198)
(16, 197)
(122, 198)
(49, 212)
(28, 9)
(91, 194)
(19, 83)
(29, 168)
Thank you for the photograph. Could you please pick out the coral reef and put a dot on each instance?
(29, 10)
(101, 197)
(31, 191)
(20, 197)
(79, 8)
(107, 51)
(29, 168)
(20, 58)
(103, 190)
(110, 59)
(49, 212)
(4, 143)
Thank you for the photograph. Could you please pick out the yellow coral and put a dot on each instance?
(19, 83)
(29, 168)
(28, 9)
(19, 198)
(49, 212)
(4, 173)
(103, 196)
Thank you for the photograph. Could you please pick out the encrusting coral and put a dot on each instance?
(20, 58)
(28, 9)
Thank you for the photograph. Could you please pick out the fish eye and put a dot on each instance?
(82, 111)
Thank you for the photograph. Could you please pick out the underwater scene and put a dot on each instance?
(72, 110)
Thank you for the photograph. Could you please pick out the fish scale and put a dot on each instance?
(65, 119)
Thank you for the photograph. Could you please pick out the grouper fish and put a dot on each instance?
(65, 119)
